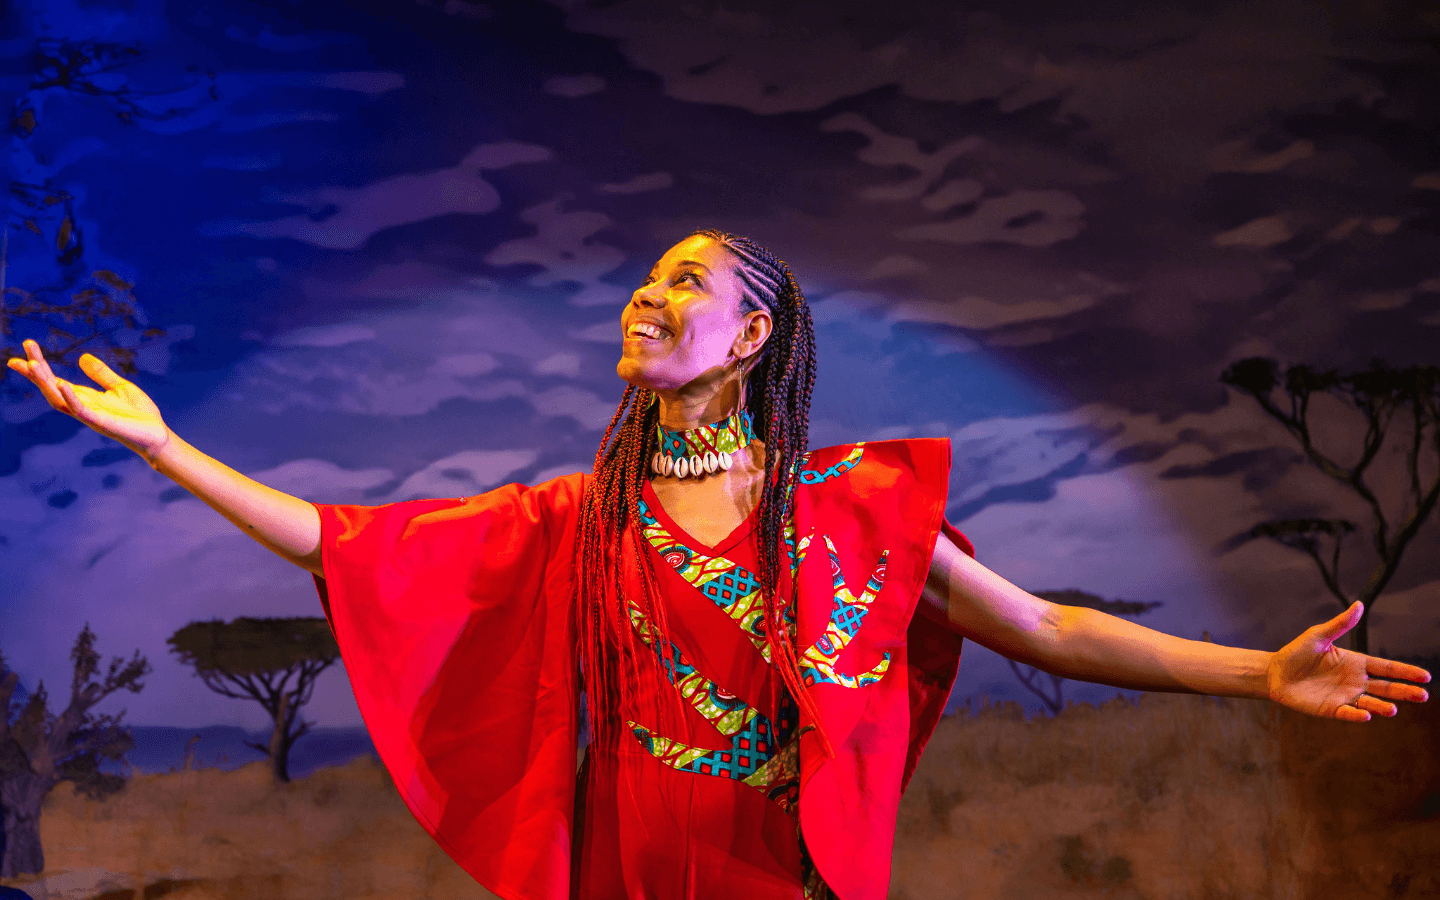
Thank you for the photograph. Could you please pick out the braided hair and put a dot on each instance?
(777, 395)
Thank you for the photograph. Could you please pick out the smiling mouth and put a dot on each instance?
(646, 330)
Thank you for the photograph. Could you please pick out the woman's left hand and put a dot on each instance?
(1312, 675)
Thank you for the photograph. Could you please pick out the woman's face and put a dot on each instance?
(683, 327)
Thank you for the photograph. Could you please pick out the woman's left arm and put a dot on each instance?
(1309, 674)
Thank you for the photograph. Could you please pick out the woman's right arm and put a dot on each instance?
(287, 525)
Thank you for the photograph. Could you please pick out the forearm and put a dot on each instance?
(1081, 643)
(284, 524)
(1309, 674)
(1090, 645)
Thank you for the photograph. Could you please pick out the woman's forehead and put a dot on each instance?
(698, 248)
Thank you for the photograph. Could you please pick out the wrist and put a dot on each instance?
(156, 456)
(1237, 672)
(1264, 688)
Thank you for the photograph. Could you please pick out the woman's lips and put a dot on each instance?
(646, 331)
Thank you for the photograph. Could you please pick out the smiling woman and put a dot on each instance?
(766, 635)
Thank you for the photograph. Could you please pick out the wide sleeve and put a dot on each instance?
(934, 661)
(454, 623)
(880, 507)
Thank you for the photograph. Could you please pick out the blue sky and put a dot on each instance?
(389, 248)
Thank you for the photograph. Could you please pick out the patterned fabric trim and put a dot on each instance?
(736, 590)
(817, 663)
(730, 586)
(719, 707)
(815, 476)
(761, 754)
(726, 436)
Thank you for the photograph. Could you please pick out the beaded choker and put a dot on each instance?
(704, 450)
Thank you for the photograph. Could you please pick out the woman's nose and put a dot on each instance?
(648, 296)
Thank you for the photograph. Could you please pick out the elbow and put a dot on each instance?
(312, 562)
(1045, 640)
(1036, 640)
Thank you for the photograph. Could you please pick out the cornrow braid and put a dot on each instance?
(778, 393)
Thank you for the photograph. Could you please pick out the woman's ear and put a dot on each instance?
(753, 335)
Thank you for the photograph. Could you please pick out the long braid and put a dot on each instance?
(786, 377)
(780, 387)
(611, 503)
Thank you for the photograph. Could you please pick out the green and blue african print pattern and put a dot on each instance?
(815, 476)
(729, 585)
(817, 662)
(760, 753)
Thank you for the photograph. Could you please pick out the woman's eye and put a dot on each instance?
(694, 279)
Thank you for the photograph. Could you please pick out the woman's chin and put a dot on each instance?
(632, 371)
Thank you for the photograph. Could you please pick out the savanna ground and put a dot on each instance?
(1176, 797)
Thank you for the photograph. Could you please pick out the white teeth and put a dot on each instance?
(644, 329)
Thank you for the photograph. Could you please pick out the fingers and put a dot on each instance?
(61, 394)
(1334, 629)
(1375, 705)
(100, 373)
(1352, 714)
(38, 371)
(1376, 667)
(1392, 690)
(72, 399)
(1376, 701)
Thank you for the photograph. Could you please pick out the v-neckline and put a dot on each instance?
(738, 534)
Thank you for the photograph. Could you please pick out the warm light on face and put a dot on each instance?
(682, 323)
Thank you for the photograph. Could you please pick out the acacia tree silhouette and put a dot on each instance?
(272, 661)
(1386, 398)
(40, 749)
(1049, 687)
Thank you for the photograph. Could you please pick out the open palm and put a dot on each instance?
(121, 410)
(1312, 675)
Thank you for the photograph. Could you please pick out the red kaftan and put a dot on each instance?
(454, 619)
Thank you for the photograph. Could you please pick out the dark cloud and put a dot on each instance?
(1262, 468)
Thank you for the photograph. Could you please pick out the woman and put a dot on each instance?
(767, 636)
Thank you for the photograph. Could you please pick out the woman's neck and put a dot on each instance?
(694, 406)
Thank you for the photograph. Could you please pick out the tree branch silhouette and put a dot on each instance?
(1380, 394)
(81, 310)
(40, 749)
(273, 662)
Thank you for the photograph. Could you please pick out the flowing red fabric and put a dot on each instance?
(455, 622)
(893, 502)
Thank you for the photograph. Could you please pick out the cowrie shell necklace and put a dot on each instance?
(704, 450)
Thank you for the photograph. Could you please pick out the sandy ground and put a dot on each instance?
(1177, 797)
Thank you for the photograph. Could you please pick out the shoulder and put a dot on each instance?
(571, 485)
(557, 497)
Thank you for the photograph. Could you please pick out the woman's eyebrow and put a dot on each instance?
(691, 262)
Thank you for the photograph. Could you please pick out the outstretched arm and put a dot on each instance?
(287, 525)
(1309, 674)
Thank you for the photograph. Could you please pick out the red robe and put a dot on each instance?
(454, 620)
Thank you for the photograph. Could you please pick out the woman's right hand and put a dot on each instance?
(121, 411)
(285, 524)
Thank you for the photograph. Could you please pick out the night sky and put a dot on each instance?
(388, 245)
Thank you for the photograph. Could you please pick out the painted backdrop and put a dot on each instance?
(379, 251)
